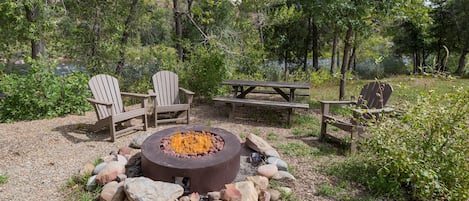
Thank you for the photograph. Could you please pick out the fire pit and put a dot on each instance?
(199, 172)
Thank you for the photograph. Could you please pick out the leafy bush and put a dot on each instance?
(206, 71)
(41, 93)
(323, 76)
(424, 149)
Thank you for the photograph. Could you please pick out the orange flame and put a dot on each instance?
(191, 142)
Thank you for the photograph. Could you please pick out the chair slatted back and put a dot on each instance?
(106, 88)
(166, 85)
(374, 95)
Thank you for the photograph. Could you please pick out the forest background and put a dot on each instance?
(50, 48)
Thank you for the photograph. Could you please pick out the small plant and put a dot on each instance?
(3, 179)
(256, 131)
(75, 188)
(242, 136)
(272, 136)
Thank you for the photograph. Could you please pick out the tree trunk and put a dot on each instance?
(307, 41)
(352, 58)
(337, 56)
(95, 38)
(286, 65)
(345, 61)
(334, 47)
(125, 36)
(178, 29)
(37, 46)
(315, 46)
(462, 62)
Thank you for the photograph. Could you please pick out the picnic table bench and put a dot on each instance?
(241, 88)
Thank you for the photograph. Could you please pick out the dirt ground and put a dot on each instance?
(40, 156)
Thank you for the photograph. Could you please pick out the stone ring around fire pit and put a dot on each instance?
(202, 174)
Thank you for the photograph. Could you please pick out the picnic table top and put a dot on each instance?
(291, 85)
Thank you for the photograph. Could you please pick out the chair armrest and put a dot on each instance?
(326, 104)
(373, 111)
(135, 95)
(94, 101)
(186, 91)
(151, 93)
(189, 95)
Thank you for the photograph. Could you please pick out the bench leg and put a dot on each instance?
(231, 113)
(290, 111)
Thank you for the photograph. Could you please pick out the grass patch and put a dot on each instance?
(306, 125)
(272, 137)
(3, 179)
(298, 149)
(75, 188)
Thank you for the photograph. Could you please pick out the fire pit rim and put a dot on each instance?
(151, 148)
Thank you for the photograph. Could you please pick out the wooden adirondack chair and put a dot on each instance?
(109, 108)
(169, 98)
(371, 103)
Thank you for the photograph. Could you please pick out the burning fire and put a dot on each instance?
(191, 142)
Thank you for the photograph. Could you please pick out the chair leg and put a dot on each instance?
(112, 129)
(187, 115)
(322, 137)
(145, 121)
(231, 113)
(156, 118)
(353, 138)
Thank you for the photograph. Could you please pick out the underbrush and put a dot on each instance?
(42, 94)
(422, 153)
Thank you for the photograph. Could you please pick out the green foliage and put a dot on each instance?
(424, 148)
(306, 125)
(3, 179)
(75, 188)
(272, 137)
(298, 149)
(206, 71)
(42, 94)
(322, 76)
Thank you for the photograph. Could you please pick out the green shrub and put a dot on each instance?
(41, 93)
(425, 148)
(206, 71)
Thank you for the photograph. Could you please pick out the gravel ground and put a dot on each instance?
(40, 156)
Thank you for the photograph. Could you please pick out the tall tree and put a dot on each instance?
(132, 14)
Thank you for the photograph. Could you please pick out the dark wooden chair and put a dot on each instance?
(109, 107)
(170, 99)
(370, 104)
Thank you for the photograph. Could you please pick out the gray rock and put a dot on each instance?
(143, 189)
(284, 175)
(248, 191)
(138, 140)
(268, 170)
(91, 183)
(112, 191)
(99, 167)
(274, 194)
(281, 165)
(122, 160)
(260, 145)
(109, 172)
(133, 167)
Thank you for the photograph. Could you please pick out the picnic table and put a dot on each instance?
(287, 90)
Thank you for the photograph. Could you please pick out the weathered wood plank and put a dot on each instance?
(262, 102)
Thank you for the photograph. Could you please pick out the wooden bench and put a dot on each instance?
(274, 92)
(243, 101)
